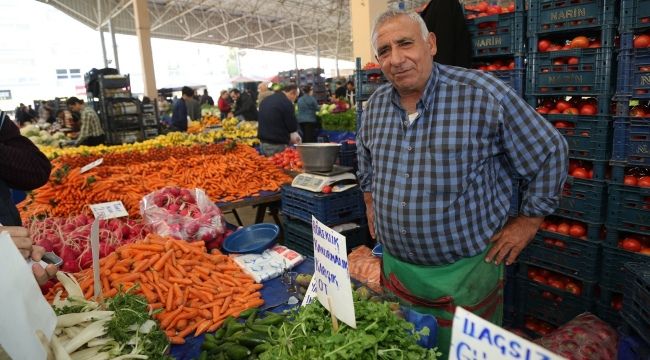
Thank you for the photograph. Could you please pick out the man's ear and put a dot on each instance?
(431, 42)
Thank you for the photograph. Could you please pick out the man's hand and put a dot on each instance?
(21, 238)
(512, 239)
(370, 213)
(41, 275)
(295, 138)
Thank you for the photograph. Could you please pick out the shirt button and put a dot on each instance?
(406, 123)
(403, 231)
(411, 254)
(410, 148)
(407, 175)
(403, 204)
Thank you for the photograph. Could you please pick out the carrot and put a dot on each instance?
(226, 304)
(180, 280)
(202, 327)
(188, 330)
(170, 300)
(177, 340)
(161, 262)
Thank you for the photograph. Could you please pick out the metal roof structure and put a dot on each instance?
(275, 25)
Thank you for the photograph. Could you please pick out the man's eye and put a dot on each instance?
(382, 52)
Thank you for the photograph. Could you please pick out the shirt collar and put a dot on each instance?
(427, 96)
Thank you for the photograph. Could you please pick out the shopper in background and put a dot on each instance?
(206, 99)
(445, 18)
(179, 111)
(244, 107)
(262, 92)
(341, 91)
(349, 92)
(278, 126)
(224, 104)
(307, 109)
(91, 132)
(193, 106)
(433, 150)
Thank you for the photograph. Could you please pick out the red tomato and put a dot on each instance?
(560, 244)
(562, 105)
(542, 110)
(617, 302)
(630, 244)
(580, 173)
(539, 278)
(579, 42)
(563, 228)
(532, 325)
(548, 295)
(595, 44)
(482, 6)
(551, 228)
(642, 41)
(630, 180)
(563, 125)
(571, 111)
(543, 45)
(554, 112)
(573, 288)
(577, 230)
(644, 181)
(511, 7)
(639, 111)
(532, 272)
(327, 189)
(556, 283)
(588, 109)
(573, 60)
(645, 251)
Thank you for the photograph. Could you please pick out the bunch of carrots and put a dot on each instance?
(226, 173)
(194, 290)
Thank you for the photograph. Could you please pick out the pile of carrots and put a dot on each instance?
(227, 173)
(196, 291)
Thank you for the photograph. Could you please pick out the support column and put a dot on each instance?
(143, 32)
(101, 32)
(110, 29)
(362, 16)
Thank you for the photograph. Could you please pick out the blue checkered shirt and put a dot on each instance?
(442, 185)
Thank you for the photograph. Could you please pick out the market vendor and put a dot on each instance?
(277, 125)
(91, 132)
(434, 147)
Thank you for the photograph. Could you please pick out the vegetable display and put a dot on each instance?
(196, 291)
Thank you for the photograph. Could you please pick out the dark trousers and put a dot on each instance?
(93, 140)
(309, 131)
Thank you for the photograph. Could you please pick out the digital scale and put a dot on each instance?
(339, 178)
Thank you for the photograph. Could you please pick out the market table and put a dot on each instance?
(266, 199)
(275, 294)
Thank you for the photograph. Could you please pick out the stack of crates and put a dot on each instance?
(628, 215)
(346, 209)
(303, 77)
(570, 79)
(635, 306)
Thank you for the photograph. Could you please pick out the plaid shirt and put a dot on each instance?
(441, 186)
(90, 124)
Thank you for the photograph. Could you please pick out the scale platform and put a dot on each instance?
(336, 169)
(339, 178)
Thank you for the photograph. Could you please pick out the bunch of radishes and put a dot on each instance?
(184, 214)
(69, 238)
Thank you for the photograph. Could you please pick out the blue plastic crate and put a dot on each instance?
(588, 137)
(367, 82)
(629, 209)
(614, 235)
(637, 297)
(622, 168)
(635, 14)
(298, 236)
(575, 257)
(612, 274)
(545, 16)
(583, 200)
(600, 169)
(515, 78)
(330, 209)
(593, 75)
(595, 231)
(633, 80)
(631, 141)
(604, 104)
(550, 304)
(589, 287)
(498, 35)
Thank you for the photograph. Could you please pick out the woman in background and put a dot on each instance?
(307, 109)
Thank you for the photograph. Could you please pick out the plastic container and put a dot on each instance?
(635, 304)
(599, 168)
(498, 35)
(545, 16)
(330, 209)
(635, 14)
(609, 315)
(589, 287)
(583, 200)
(632, 140)
(298, 236)
(633, 78)
(588, 137)
(619, 168)
(629, 208)
(368, 81)
(612, 275)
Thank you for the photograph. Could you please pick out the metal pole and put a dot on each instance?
(101, 32)
(317, 47)
(110, 28)
(295, 54)
(338, 37)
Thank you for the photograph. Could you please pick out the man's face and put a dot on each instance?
(292, 95)
(234, 95)
(405, 57)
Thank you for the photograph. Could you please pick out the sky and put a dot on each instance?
(44, 54)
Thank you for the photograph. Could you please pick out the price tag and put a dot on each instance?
(109, 210)
(92, 165)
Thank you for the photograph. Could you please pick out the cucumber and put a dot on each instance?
(247, 313)
(262, 329)
(233, 328)
(272, 319)
(261, 348)
(236, 352)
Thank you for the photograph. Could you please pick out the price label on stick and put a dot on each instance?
(94, 247)
(91, 165)
(109, 210)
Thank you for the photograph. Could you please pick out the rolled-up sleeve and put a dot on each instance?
(537, 152)
(364, 174)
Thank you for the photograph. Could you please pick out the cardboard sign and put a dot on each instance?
(474, 338)
(91, 165)
(331, 274)
(109, 210)
(312, 290)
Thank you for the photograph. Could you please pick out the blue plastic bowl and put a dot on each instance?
(251, 239)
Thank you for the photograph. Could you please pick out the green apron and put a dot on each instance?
(471, 283)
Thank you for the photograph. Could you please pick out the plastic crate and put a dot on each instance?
(614, 235)
(539, 301)
(583, 200)
(593, 75)
(576, 257)
(588, 286)
(619, 169)
(633, 78)
(612, 275)
(545, 16)
(509, 290)
(368, 81)
(637, 297)
(609, 315)
(599, 168)
(498, 35)
(635, 14)
(632, 141)
(330, 209)
(588, 137)
(349, 158)
(628, 208)
(299, 235)
(604, 104)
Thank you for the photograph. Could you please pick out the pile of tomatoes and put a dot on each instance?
(637, 176)
(288, 159)
(554, 280)
(581, 169)
(485, 9)
(496, 65)
(538, 326)
(640, 111)
(371, 65)
(566, 227)
(578, 42)
(574, 106)
(635, 243)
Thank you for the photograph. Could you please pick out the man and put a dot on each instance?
(433, 149)
(91, 132)
(278, 126)
(206, 99)
(349, 92)
(341, 91)
(179, 110)
(262, 92)
(245, 108)
(193, 106)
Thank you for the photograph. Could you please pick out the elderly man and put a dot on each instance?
(434, 150)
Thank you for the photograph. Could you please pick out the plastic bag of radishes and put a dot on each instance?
(586, 337)
(184, 214)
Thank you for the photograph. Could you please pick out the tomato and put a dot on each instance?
(577, 230)
(551, 228)
(543, 45)
(642, 41)
(645, 251)
(617, 302)
(554, 112)
(579, 42)
(639, 111)
(630, 180)
(580, 173)
(539, 278)
(562, 105)
(327, 189)
(532, 325)
(644, 181)
(588, 109)
(595, 44)
(482, 6)
(630, 244)
(571, 111)
(563, 228)
(555, 283)
(511, 7)
(563, 125)
(493, 10)
(573, 60)
(542, 110)
(559, 61)
(560, 244)
(532, 272)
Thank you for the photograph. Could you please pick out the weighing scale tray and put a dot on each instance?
(336, 169)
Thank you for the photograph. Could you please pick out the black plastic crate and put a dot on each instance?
(330, 209)
(629, 208)
(589, 288)
(598, 167)
(609, 315)
(612, 275)
(574, 257)
(632, 141)
(583, 200)
(633, 78)
(620, 169)
(498, 35)
(637, 297)
(592, 75)
(545, 16)
(515, 77)
(615, 235)
(635, 14)
(298, 236)
(603, 104)
(595, 231)
(588, 137)
(550, 304)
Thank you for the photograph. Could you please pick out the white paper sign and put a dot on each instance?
(92, 165)
(109, 210)
(24, 309)
(312, 290)
(94, 247)
(473, 338)
(331, 272)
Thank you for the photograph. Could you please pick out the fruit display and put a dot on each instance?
(576, 105)
(40, 135)
(555, 280)
(578, 42)
(637, 176)
(637, 243)
(244, 132)
(566, 227)
(288, 159)
(483, 8)
(496, 65)
(581, 169)
(642, 41)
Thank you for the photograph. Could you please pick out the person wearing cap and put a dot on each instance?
(91, 132)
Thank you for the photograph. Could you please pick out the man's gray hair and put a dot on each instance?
(392, 14)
